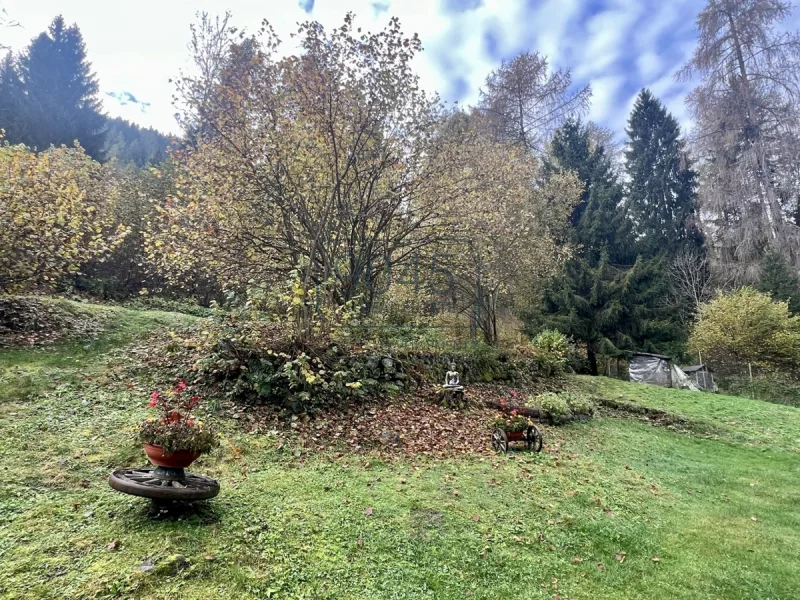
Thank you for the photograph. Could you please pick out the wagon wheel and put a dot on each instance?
(148, 483)
(533, 438)
(499, 440)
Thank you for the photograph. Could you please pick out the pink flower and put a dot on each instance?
(154, 395)
(181, 385)
(152, 402)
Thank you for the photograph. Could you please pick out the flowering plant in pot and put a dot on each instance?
(514, 424)
(175, 438)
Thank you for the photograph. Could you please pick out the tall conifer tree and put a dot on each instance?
(661, 183)
(780, 281)
(62, 103)
(12, 101)
(605, 297)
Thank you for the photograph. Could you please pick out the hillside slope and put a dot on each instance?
(614, 508)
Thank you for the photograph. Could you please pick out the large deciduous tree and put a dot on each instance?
(524, 101)
(326, 161)
(746, 112)
(503, 229)
(660, 186)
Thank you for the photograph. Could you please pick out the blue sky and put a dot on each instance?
(619, 46)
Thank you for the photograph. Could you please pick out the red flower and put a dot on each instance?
(181, 385)
(514, 413)
(174, 416)
(194, 400)
(514, 394)
(154, 395)
(190, 421)
(152, 402)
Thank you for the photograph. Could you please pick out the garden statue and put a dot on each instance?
(452, 392)
(451, 379)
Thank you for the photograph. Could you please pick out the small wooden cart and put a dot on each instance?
(532, 437)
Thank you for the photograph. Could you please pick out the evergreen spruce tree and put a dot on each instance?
(661, 183)
(780, 281)
(61, 92)
(12, 101)
(606, 297)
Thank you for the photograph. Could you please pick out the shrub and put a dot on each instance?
(579, 404)
(552, 350)
(259, 362)
(554, 407)
(744, 327)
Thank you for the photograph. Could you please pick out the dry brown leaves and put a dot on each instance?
(408, 425)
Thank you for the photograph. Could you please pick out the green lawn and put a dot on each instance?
(583, 520)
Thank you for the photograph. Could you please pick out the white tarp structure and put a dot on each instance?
(656, 369)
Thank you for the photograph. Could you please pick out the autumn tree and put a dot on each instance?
(504, 231)
(746, 113)
(326, 162)
(524, 101)
(55, 212)
(748, 327)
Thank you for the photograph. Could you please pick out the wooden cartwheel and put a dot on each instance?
(532, 437)
(162, 485)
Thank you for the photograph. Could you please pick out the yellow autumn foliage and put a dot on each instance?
(55, 215)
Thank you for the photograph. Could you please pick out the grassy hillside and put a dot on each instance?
(614, 508)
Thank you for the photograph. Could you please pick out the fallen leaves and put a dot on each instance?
(620, 556)
(368, 511)
(113, 545)
(407, 425)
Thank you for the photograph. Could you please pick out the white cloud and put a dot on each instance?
(649, 64)
(619, 46)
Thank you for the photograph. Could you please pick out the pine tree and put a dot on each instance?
(780, 281)
(128, 143)
(606, 297)
(62, 102)
(12, 101)
(661, 183)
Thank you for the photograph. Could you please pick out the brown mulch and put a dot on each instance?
(407, 425)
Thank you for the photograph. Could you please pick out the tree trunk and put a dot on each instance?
(592, 356)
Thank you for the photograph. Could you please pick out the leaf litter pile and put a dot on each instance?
(26, 321)
(408, 425)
